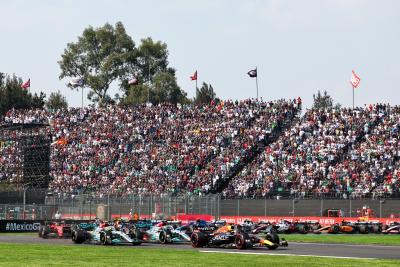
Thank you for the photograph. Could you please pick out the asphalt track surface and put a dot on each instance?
(294, 249)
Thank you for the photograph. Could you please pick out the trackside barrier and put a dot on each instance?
(15, 226)
(321, 220)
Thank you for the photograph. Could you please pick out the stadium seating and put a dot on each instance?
(246, 148)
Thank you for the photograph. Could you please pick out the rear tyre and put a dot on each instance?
(198, 240)
(335, 229)
(376, 228)
(274, 238)
(363, 229)
(302, 229)
(241, 241)
(78, 236)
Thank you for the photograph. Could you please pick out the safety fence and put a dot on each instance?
(107, 207)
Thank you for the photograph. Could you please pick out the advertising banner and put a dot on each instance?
(10, 226)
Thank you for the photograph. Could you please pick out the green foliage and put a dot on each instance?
(56, 101)
(166, 89)
(99, 57)
(136, 95)
(204, 95)
(370, 239)
(107, 54)
(13, 96)
(49, 255)
(324, 101)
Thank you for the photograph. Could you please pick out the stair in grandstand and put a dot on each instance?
(381, 179)
(253, 153)
(227, 142)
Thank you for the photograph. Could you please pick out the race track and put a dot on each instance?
(294, 249)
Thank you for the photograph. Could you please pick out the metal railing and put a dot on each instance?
(107, 207)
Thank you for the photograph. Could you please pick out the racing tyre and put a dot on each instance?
(198, 240)
(104, 240)
(335, 229)
(45, 231)
(302, 228)
(78, 236)
(40, 233)
(363, 229)
(376, 228)
(242, 241)
(164, 237)
(274, 238)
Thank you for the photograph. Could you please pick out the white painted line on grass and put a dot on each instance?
(345, 245)
(285, 254)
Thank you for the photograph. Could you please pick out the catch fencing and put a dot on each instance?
(107, 207)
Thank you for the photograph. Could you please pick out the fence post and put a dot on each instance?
(238, 207)
(322, 205)
(139, 204)
(207, 206)
(108, 207)
(350, 207)
(199, 199)
(120, 207)
(265, 207)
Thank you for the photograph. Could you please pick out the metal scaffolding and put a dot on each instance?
(26, 154)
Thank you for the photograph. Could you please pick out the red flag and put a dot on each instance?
(194, 76)
(355, 79)
(26, 84)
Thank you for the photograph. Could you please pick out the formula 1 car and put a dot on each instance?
(103, 234)
(393, 228)
(168, 232)
(55, 229)
(230, 236)
(301, 227)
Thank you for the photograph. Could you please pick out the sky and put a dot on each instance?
(298, 46)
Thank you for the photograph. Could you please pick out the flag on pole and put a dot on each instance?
(194, 76)
(26, 84)
(133, 81)
(252, 73)
(76, 82)
(355, 79)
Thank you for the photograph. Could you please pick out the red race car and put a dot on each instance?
(55, 229)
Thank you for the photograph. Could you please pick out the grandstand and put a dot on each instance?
(246, 148)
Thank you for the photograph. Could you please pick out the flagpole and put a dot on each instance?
(257, 82)
(82, 96)
(353, 97)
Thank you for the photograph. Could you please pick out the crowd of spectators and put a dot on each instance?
(341, 152)
(187, 149)
(147, 149)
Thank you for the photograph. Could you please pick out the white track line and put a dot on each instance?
(284, 254)
(345, 245)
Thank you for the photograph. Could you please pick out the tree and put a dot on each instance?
(324, 101)
(205, 94)
(56, 101)
(149, 59)
(166, 89)
(13, 96)
(100, 57)
(136, 95)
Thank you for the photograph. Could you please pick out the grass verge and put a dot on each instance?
(368, 239)
(86, 255)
